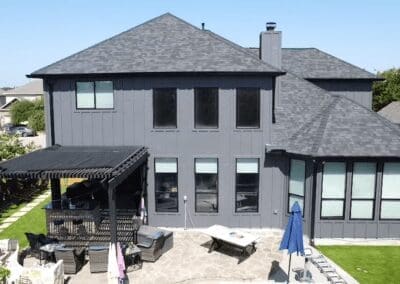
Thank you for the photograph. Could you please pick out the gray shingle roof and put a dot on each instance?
(312, 63)
(163, 44)
(313, 122)
(391, 112)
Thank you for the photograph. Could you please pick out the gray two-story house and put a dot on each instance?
(234, 135)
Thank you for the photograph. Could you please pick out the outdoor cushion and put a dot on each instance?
(157, 235)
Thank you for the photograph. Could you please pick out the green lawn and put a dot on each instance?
(367, 264)
(11, 210)
(34, 221)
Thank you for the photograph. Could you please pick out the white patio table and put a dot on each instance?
(242, 241)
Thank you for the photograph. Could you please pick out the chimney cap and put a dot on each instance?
(270, 26)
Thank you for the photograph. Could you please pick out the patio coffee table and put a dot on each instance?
(49, 250)
(244, 242)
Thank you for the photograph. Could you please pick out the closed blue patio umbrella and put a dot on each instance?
(293, 237)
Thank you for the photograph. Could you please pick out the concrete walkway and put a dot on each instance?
(28, 207)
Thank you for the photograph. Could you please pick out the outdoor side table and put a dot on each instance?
(133, 258)
(49, 250)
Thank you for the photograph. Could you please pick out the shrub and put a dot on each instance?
(36, 121)
(4, 273)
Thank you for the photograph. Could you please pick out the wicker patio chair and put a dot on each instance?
(73, 259)
(36, 241)
(150, 242)
(98, 258)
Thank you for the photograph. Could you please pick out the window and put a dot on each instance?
(333, 190)
(247, 183)
(206, 108)
(248, 108)
(206, 179)
(363, 191)
(390, 202)
(95, 95)
(297, 183)
(164, 108)
(166, 184)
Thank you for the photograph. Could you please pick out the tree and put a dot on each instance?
(386, 91)
(21, 111)
(31, 111)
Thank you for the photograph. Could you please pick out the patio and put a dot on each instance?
(189, 261)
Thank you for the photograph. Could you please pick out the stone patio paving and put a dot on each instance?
(189, 262)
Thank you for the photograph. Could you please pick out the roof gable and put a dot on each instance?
(391, 112)
(163, 44)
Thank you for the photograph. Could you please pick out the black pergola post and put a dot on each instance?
(55, 193)
(113, 213)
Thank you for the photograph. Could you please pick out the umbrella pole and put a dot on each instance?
(288, 274)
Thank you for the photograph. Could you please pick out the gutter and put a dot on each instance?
(314, 199)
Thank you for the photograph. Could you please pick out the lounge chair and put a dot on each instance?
(98, 258)
(73, 259)
(150, 241)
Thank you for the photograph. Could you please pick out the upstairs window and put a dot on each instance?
(297, 183)
(206, 179)
(166, 184)
(247, 185)
(206, 108)
(248, 108)
(164, 108)
(333, 190)
(390, 202)
(95, 95)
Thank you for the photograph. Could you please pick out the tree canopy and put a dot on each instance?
(386, 91)
(30, 111)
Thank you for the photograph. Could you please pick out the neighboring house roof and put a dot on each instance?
(6, 106)
(311, 121)
(312, 63)
(163, 44)
(33, 88)
(391, 112)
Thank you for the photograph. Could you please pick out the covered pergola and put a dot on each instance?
(110, 164)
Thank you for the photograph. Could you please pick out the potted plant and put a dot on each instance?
(4, 274)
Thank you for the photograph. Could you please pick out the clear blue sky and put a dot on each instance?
(36, 33)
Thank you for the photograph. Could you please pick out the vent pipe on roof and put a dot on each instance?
(202, 26)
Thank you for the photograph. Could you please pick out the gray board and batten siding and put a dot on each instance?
(131, 123)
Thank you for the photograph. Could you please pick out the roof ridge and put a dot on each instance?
(239, 48)
(324, 122)
(345, 62)
(387, 122)
(103, 41)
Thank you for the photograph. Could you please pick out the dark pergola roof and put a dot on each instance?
(100, 162)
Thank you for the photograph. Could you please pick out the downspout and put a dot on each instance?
(51, 111)
(314, 199)
(273, 98)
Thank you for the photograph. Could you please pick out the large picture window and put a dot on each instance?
(333, 190)
(363, 191)
(248, 108)
(206, 107)
(247, 185)
(206, 185)
(164, 108)
(95, 95)
(297, 183)
(390, 201)
(166, 184)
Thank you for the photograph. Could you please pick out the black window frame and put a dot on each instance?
(258, 126)
(386, 199)
(94, 95)
(363, 199)
(304, 186)
(334, 199)
(177, 186)
(195, 108)
(175, 126)
(195, 187)
(258, 186)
